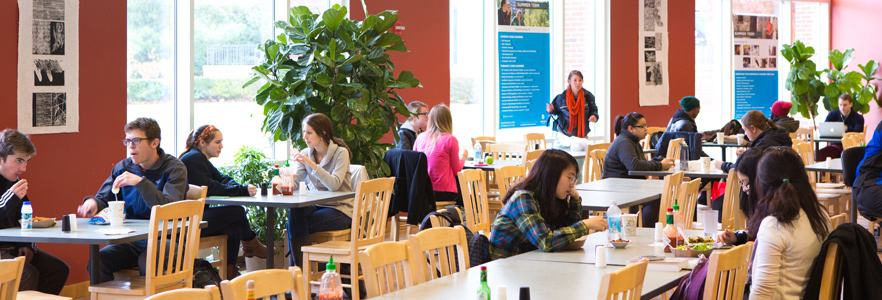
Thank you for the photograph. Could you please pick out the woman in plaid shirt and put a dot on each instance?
(543, 211)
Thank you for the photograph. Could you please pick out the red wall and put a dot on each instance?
(849, 21)
(72, 165)
(427, 37)
(624, 48)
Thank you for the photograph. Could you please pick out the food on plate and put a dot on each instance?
(697, 247)
(698, 240)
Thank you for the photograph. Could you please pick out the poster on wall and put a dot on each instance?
(755, 59)
(48, 66)
(653, 54)
(524, 60)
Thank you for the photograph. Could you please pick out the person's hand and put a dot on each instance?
(126, 179)
(667, 163)
(718, 164)
(20, 188)
(596, 223)
(574, 194)
(27, 252)
(592, 119)
(726, 237)
(89, 208)
(304, 160)
(739, 151)
(549, 108)
(252, 190)
(465, 154)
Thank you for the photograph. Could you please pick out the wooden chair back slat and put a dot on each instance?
(208, 293)
(733, 217)
(10, 277)
(727, 273)
(445, 249)
(528, 165)
(624, 283)
(170, 262)
(587, 171)
(369, 212)
(535, 141)
(506, 151)
(596, 158)
(507, 177)
(533, 155)
(831, 278)
(474, 196)
(669, 193)
(267, 283)
(674, 148)
(688, 200)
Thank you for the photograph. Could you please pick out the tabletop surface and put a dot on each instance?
(714, 173)
(86, 233)
(639, 246)
(623, 185)
(828, 139)
(496, 164)
(835, 166)
(721, 145)
(296, 200)
(601, 200)
(546, 280)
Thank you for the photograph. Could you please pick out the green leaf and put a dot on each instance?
(389, 18)
(387, 39)
(332, 17)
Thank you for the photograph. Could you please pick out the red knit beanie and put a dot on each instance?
(781, 108)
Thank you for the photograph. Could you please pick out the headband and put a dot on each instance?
(205, 133)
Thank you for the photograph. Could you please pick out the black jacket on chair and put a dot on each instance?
(861, 268)
(413, 187)
(692, 139)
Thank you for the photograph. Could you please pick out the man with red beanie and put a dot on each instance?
(781, 116)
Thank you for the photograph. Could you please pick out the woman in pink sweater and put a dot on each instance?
(440, 146)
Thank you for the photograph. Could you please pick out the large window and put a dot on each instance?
(222, 48)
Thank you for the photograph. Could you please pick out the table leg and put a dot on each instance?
(724, 152)
(270, 237)
(95, 274)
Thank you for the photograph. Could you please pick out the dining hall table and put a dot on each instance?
(85, 234)
(713, 173)
(271, 202)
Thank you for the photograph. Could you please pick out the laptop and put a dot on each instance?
(833, 130)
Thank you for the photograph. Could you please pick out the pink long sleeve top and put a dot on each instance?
(444, 160)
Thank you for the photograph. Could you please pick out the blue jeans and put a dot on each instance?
(229, 220)
(311, 219)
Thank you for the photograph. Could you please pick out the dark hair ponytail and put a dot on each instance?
(198, 135)
(622, 122)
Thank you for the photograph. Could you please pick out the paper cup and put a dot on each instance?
(721, 138)
(302, 188)
(705, 164)
(73, 222)
(117, 210)
(739, 138)
(829, 162)
(629, 225)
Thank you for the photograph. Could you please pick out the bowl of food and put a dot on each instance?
(577, 244)
(693, 250)
(620, 243)
(42, 222)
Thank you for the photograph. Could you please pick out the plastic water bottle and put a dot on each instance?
(614, 217)
(678, 218)
(684, 157)
(479, 153)
(331, 287)
(27, 216)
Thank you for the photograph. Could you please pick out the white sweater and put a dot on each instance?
(783, 258)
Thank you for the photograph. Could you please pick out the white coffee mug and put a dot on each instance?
(117, 213)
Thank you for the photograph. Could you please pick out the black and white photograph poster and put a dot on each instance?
(653, 68)
(48, 66)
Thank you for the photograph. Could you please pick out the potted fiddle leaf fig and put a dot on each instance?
(853, 83)
(339, 67)
(803, 80)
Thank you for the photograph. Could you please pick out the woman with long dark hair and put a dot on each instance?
(203, 143)
(746, 170)
(324, 166)
(790, 226)
(544, 211)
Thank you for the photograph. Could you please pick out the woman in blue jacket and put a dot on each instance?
(573, 108)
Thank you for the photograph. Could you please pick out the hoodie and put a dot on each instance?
(681, 121)
(10, 211)
(785, 122)
(163, 185)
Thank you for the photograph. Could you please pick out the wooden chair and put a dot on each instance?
(807, 155)
(646, 142)
(688, 200)
(837, 220)
(195, 192)
(506, 151)
(586, 166)
(474, 196)
(208, 293)
(831, 277)
(624, 283)
(533, 155)
(438, 252)
(368, 227)
(596, 158)
(267, 283)
(483, 138)
(10, 277)
(669, 193)
(387, 267)
(806, 135)
(535, 141)
(727, 273)
(172, 245)
(733, 217)
(674, 149)
(398, 221)
(506, 177)
(529, 165)
(851, 139)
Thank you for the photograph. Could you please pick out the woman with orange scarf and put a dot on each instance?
(574, 108)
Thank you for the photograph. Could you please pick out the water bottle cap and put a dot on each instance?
(676, 206)
(287, 164)
(330, 266)
(27, 203)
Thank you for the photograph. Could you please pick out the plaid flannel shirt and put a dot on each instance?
(520, 228)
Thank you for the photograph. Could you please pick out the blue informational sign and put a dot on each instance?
(755, 90)
(524, 80)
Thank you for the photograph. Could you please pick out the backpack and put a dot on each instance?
(204, 274)
(479, 245)
(692, 286)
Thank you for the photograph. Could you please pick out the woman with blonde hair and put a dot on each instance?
(440, 146)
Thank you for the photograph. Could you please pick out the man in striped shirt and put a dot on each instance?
(42, 271)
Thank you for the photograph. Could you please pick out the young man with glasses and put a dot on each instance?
(413, 126)
(146, 178)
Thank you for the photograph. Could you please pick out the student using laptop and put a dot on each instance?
(853, 121)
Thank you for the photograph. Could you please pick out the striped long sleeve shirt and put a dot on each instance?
(520, 228)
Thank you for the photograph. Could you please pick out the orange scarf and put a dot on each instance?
(577, 110)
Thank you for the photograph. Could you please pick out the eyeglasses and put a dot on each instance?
(744, 183)
(572, 179)
(639, 126)
(422, 114)
(134, 141)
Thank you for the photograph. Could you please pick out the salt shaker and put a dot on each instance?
(600, 256)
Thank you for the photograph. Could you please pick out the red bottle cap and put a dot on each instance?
(483, 268)
(670, 209)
